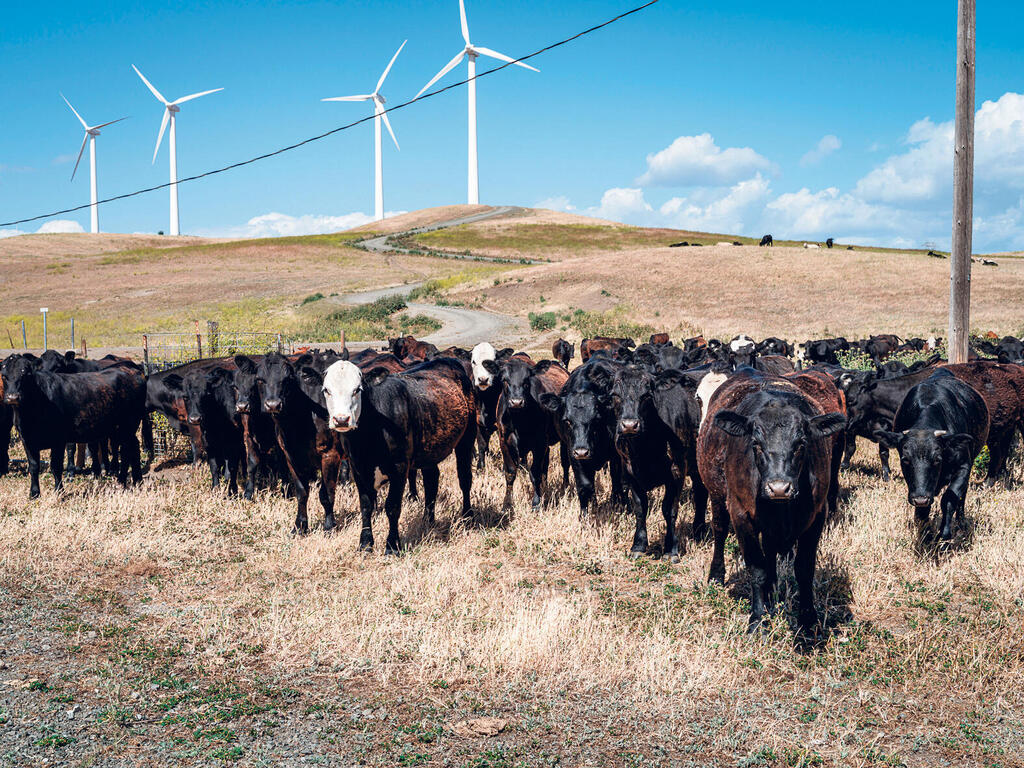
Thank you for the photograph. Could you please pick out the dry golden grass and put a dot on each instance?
(792, 292)
(923, 660)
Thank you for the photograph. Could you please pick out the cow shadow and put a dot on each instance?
(833, 597)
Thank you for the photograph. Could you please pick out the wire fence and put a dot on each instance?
(162, 351)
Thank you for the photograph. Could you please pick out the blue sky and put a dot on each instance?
(805, 119)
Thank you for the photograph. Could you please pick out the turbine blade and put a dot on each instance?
(103, 125)
(183, 99)
(79, 156)
(160, 137)
(388, 124)
(465, 24)
(503, 57)
(149, 85)
(75, 111)
(390, 63)
(364, 97)
(447, 68)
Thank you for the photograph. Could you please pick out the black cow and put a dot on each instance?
(823, 350)
(524, 428)
(586, 428)
(1008, 350)
(211, 405)
(650, 454)
(767, 241)
(54, 409)
(765, 453)
(939, 429)
(880, 346)
(259, 438)
(393, 423)
(829, 243)
(563, 351)
(774, 346)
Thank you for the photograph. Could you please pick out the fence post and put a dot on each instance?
(24, 336)
(213, 336)
(279, 343)
(199, 342)
(145, 353)
(342, 339)
(963, 188)
(44, 310)
(72, 333)
(85, 348)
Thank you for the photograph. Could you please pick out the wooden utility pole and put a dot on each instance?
(963, 187)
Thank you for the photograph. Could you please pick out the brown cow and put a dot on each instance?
(612, 346)
(409, 346)
(765, 454)
(660, 339)
(562, 351)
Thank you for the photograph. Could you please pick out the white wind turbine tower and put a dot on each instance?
(472, 51)
(91, 132)
(378, 113)
(170, 112)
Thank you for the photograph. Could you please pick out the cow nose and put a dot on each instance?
(581, 454)
(12, 399)
(780, 490)
(921, 501)
(516, 402)
(341, 422)
(242, 407)
(195, 419)
(629, 426)
(483, 383)
(272, 406)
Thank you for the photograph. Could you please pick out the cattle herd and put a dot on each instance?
(760, 429)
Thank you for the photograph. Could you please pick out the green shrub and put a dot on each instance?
(311, 298)
(611, 323)
(543, 321)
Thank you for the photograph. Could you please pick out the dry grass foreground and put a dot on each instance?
(178, 619)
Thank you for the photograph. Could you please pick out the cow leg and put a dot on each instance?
(619, 495)
(539, 473)
(330, 471)
(412, 484)
(761, 567)
(122, 465)
(642, 503)
(69, 467)
(57, 467)
(563, 456)
(132, 457)
(953, 499)
(803, 567)
(367, 503)
(883, 457)
(483, 440)
(851, 448)
(700, 504)
(999, 449)
(720, 527)
(33, 472)
(216, 469)
(80, 457)
(301, 487)
(670, 510)
(393, 508)
(584, 486)
(97, 463)
(431, 477)
(833, 489)
(511, 466)
(464, 470)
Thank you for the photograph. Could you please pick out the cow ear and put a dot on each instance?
(217, 374)
(311, 376)
(491, 367)
(504, 353)
(245, 364)
(543, 365)
(69, 355)
(375, 376)
(888, 439)
(303, 360)
(957, 443)
(600, 379)
(732, 423)
(828, 424)
(174, 381)
(550, 402)
(629, 344)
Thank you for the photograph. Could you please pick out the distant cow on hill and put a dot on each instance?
(767, 241)
(563, 351)
(829, 243)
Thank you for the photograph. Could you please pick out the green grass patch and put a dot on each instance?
(614, 322)
(542, 321)
(377, 320)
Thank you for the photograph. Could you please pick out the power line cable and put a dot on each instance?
(333, 131)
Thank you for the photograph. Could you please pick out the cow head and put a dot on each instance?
(343, 394)
(482, 377)
(631, 398)
(515, 382)
(18, 373)
(924, 454)
(55, 362)
(581, 411)
(246, 389)
(778, 436)
(277, 383)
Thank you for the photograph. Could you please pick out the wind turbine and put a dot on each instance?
(91, 132)
(378, 113)
(472, 51)
(170, 112)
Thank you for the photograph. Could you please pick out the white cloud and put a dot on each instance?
(61, 159)
(557, 203)
(825, 147)
(57, 225)
(282, 225)
(622, 204)
(733, 212)
(698, 161)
